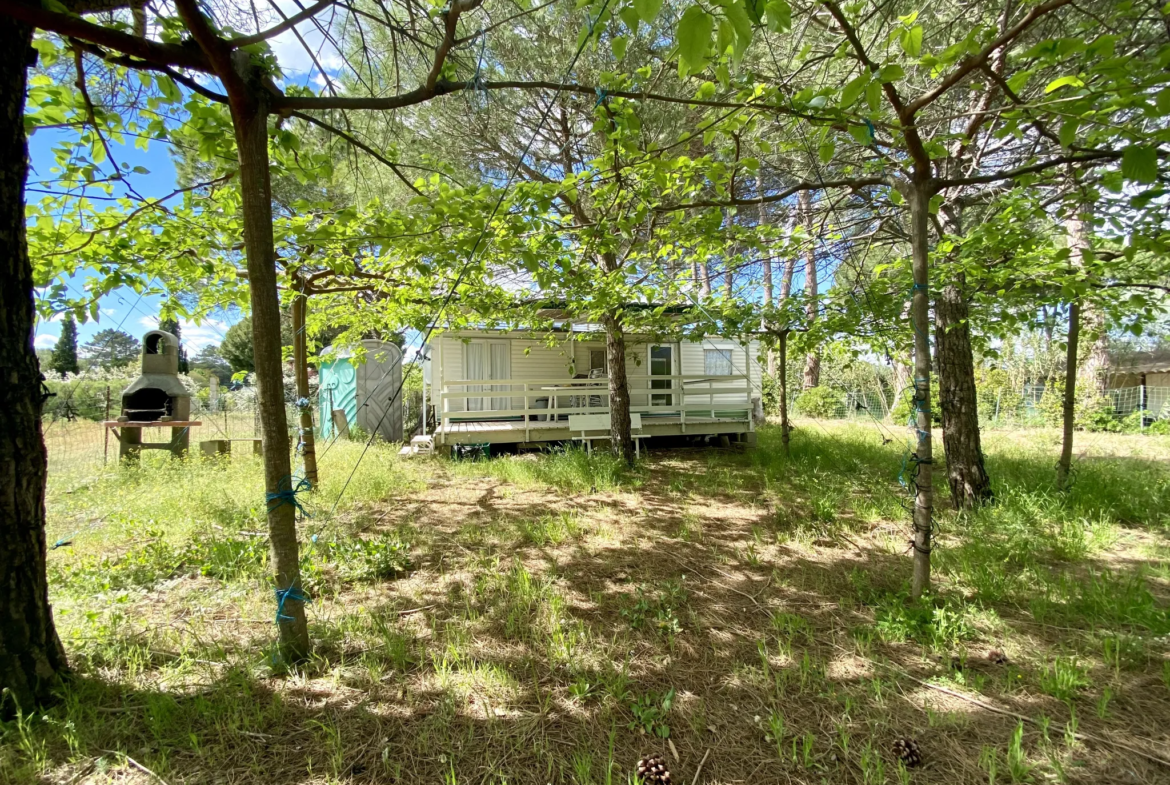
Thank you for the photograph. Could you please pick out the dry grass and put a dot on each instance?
(559, 618)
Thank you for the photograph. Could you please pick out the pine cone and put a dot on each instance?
(997, 657)
(652, 770)
(906, 750)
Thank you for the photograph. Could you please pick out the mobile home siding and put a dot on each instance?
(541, 362)
(693, 359)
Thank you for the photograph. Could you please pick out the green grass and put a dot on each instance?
(550, 618)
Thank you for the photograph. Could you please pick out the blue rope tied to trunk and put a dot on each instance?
(287, 490)
(291, 593)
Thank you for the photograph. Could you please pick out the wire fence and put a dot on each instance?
(1029, 406)
(79, 443)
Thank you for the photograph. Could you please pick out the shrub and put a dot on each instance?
(820, 402)
(1159, 428)
(996, 398)
(900, 413)
(1092, 412)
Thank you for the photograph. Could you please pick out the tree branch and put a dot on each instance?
(360, 145)
(1084, 158)
(443, 87)
(976, 61)
(182, 55)
(288, 23)
(852, 183)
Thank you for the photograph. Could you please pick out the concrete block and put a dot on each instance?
(213, 448)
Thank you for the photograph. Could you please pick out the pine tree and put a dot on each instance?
(65, 352)
(111, 349)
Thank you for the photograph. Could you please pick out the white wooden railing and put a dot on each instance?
(679, 395)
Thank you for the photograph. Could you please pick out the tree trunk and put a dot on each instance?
(784, 429)
(308, 446)
(704, 279)
(919, 198)
(1068, 413)
(251, 126)
(769, 288)
(620, 440)
(1078, 243)
(970, 485)
(812, 366)
(31, 657)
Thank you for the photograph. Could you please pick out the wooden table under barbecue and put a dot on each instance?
(130, 442)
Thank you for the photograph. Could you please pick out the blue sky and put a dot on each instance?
(124, 309)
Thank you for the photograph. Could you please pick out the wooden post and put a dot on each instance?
(340, 424)
(212, 393)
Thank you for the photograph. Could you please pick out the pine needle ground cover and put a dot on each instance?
(554, 618)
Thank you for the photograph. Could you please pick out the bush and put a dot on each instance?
(900, 413)
(996, 398)
(770, 394)
(1091, 412)
(1159, 428)
(820, 402)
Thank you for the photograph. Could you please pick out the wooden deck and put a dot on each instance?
(534, 431)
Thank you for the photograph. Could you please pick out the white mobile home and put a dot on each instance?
(517, 388)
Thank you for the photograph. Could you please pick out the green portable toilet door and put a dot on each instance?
(338, 390)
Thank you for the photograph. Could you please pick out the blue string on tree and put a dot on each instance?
(286, 493)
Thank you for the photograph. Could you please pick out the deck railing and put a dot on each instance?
(534, 401)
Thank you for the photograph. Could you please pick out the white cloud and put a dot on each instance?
(196, 336)
(45, 341)
(109, 312)
(292, 55)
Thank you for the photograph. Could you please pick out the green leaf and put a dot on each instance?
(694, 38)
(1017, 81)
(852, 90)
(629, 15)
(1140, 163)
(861, 134)
(891, 73)
(738, 16)
(618, 46)
(755, 10)
(911, 41)
(896, 196)
(1063, 81)
(723, 74)
(1162, 100)
(779, 15)
(873, 95)
(648, 9)
(825, 152)
(1068, 131)
(724, 36)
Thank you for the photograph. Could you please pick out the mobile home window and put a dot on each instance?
(717, 362)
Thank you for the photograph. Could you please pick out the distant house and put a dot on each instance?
(1140, 380)
(500, 387)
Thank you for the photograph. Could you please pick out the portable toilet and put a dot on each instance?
(363, 389)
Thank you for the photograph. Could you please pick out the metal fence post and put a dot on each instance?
(1142, 407)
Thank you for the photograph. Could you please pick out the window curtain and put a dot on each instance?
(717, 362)
(473, 354)
(498, 359)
